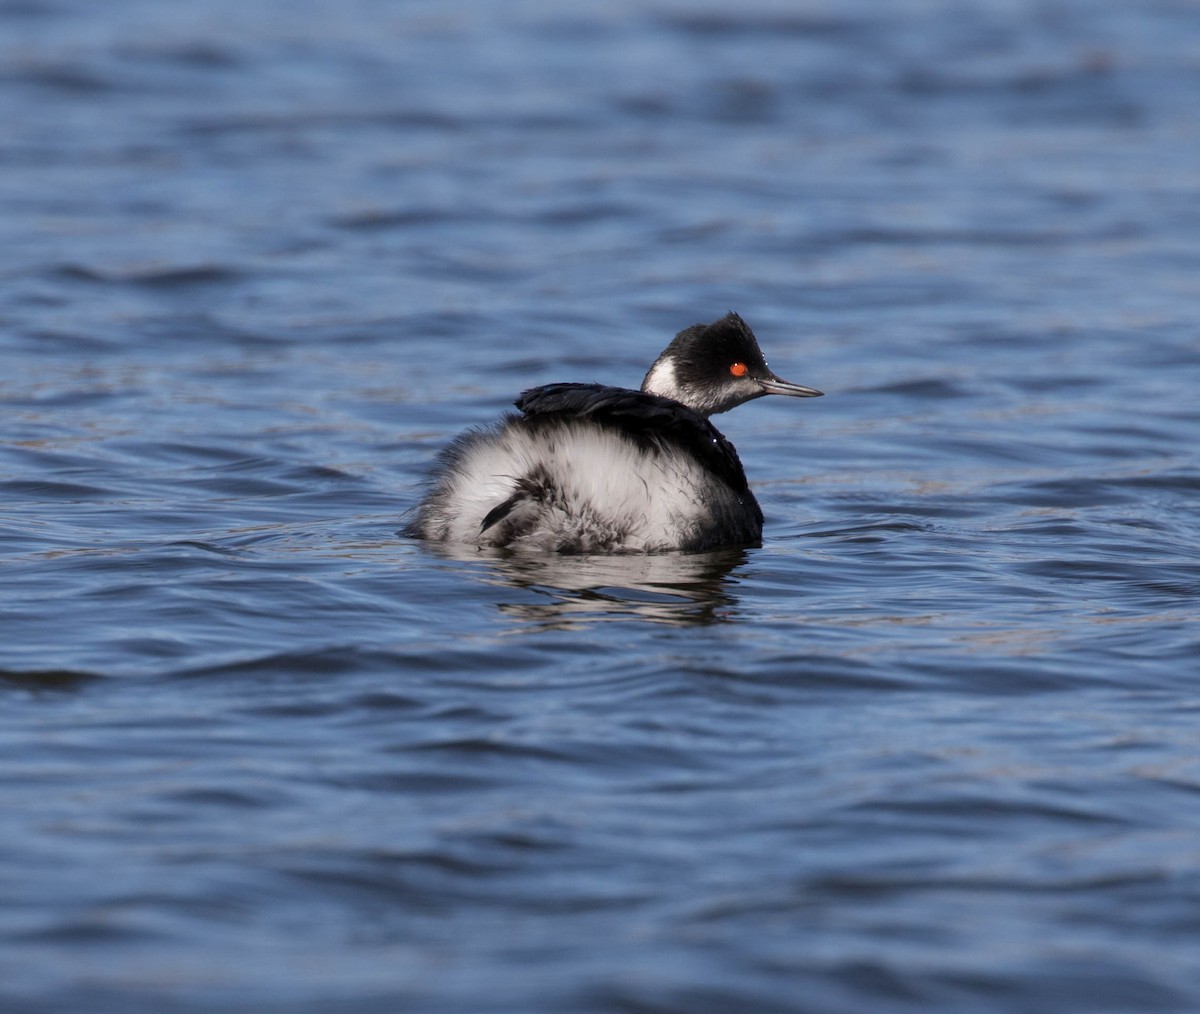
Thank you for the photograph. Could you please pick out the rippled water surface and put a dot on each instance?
(935, 746)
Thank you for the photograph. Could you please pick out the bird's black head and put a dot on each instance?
(715, 367)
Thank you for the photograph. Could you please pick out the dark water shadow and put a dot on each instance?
(569, 592)
(39, 681)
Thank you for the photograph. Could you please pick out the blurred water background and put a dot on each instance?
(935, 746)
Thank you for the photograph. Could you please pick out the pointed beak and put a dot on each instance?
(777, 385)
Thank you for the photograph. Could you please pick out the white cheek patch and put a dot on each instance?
(661, 380)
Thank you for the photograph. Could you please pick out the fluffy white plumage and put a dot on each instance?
(609, 492)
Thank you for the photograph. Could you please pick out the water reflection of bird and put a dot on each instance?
(587, 468)
(550, 591)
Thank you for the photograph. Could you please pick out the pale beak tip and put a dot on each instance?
(777, 385)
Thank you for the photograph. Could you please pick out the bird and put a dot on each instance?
(587, 468)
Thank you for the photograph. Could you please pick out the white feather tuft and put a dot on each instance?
(609, 492)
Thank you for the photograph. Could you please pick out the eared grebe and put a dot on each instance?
(587, 468)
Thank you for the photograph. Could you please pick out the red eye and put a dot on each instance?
(738, 369)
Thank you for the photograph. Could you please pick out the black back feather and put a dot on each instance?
(648, 419)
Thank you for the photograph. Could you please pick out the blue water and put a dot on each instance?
(934, 747)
